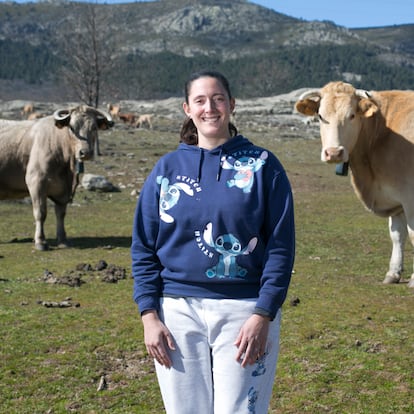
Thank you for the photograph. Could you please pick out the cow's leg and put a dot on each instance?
(398, 233)
(410, 227)
(37, 191)
(60, 211)
(39, 214)
(97, 148)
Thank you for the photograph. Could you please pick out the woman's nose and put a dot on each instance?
(210, 105)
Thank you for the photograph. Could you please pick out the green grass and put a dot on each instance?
(346, 348)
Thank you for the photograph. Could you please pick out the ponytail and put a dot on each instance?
(188, 133)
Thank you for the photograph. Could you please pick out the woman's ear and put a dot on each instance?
(232, 104)
(186, 109)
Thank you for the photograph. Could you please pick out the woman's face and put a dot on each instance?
(210, 108)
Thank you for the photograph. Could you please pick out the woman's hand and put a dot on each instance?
(158, 339)
(252, 338)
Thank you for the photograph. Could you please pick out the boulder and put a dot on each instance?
(93, 182)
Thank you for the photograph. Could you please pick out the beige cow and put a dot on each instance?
(35, 115)
(43, 158)
(145, 119)
(374, 133)
(114, 110)
(27, 109)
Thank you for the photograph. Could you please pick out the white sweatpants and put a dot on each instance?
(205, 377)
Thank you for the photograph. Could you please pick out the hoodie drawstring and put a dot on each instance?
(200, 163)
(220, 165)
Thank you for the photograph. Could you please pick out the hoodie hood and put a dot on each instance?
(234, 144)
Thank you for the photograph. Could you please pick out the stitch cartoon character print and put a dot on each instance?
(169, 196)
(245, 166)
(228, 247)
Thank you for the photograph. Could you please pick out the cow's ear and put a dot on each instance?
(104, 123)
(367, 108)
(307, 107)
(62, 123)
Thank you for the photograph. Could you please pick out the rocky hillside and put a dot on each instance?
(147, 49)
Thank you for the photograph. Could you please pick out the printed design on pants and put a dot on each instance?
(251, 401)
(228, 247)
(169, 196)
(260, 366)
(245, 167)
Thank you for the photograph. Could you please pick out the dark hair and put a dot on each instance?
(189, 134)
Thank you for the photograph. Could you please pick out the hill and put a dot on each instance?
(147, 49)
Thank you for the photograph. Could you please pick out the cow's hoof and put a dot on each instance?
(391, 278)
(63, 245)
(42, 247)
(411, 283)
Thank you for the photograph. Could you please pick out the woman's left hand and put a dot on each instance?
(252, 338)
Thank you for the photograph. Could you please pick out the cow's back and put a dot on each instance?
(397, 108)
(15, 147)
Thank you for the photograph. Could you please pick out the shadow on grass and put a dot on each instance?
(84, 242)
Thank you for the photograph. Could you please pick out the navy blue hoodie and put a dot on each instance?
(214, 224)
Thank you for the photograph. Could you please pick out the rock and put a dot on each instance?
(83, 266)
(294, 302)
(113, 274)
(71, 278)
(62, 304)
(93, 182)
(101, 265)
(102, 384)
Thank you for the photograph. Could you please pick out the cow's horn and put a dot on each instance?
(107, 116)
(362, 93)
(61, 114)
(310, 94)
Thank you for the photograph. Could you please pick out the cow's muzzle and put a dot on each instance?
(84, 155)
(334, 155)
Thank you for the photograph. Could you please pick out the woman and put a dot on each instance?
(212, 256)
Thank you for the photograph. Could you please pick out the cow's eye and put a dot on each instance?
(352, 116)
(322, 119)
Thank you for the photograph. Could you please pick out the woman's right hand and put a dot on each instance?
(158, 339)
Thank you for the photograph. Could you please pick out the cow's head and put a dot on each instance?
(83, 123)
(341, 110)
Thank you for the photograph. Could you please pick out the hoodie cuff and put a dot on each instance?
(262, 312)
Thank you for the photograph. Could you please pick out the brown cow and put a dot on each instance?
(374, 133)
(43, 159)
(128, 118)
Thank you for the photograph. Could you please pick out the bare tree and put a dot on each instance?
(86, 53)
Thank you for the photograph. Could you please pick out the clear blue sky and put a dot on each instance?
(348, 13)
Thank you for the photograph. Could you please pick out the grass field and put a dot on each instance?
(347, 340)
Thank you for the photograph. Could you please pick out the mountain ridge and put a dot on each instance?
(154, 45)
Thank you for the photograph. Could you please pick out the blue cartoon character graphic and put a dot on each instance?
(245, 168)
(260, 366)
(251, 400)
(228, 247)
(169, 196)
